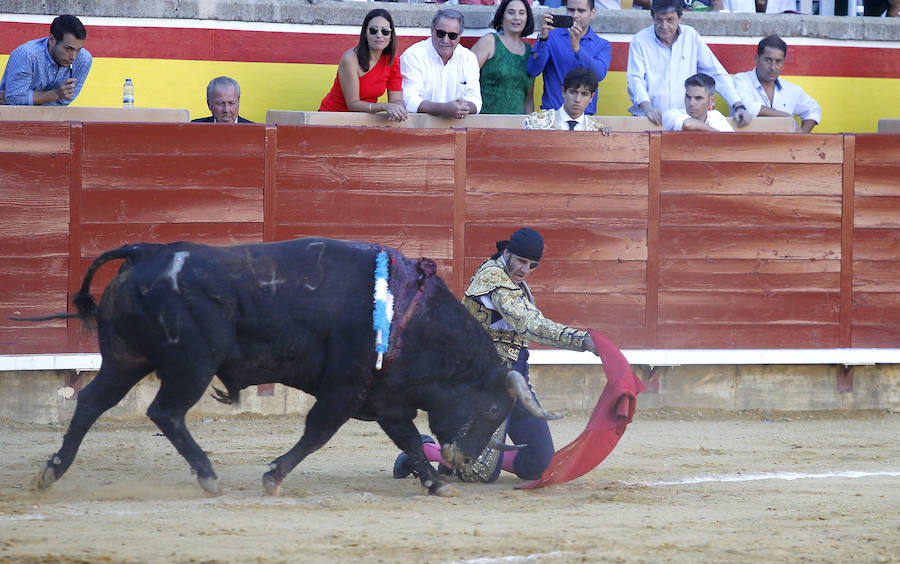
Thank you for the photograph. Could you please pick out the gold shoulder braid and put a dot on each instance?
(541, 119)
(488, 278)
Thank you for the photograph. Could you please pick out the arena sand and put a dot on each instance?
(130, 498)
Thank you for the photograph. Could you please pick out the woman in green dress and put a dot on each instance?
(506, 87)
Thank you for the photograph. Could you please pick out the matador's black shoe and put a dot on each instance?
(403, 466)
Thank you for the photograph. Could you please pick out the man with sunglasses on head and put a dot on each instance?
(440, 76)
(501, 301)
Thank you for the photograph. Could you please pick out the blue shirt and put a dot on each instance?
(30, 67)
(555, 58)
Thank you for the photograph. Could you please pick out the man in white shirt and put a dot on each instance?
(662, 56)
(766, 94)
(441, 77)
(578, 89)
(698, 115)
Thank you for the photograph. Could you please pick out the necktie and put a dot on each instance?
(572, 123)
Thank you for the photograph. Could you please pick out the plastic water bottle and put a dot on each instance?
(128, 94)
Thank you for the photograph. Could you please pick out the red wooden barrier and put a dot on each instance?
(660, 240)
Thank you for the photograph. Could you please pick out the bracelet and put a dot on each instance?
(542, 39)
(737, 107)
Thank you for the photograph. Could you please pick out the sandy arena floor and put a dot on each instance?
(681, 486)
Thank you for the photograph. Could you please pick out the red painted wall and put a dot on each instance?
(671, 240)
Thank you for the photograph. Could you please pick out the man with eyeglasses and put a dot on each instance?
(440, 76)
(501, 301)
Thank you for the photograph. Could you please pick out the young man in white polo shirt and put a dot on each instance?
(698, 113)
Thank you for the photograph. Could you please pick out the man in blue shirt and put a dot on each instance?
(50, 70)
(557, 51)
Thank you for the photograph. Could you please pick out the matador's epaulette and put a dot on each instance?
(488, 278)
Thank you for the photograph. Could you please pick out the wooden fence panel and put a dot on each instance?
(876, 250)
(659, 240)
(587, 194)
(164, 182)
(750, 241)
(700, 147)
(381, 185)
(35, 163)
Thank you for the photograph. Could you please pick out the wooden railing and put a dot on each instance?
(90, 114)
(661, 240)
(616, 123)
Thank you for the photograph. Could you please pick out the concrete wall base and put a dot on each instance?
(731, 387)
(40, 396)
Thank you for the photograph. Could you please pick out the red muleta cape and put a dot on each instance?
(613, 413)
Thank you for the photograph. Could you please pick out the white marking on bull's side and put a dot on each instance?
(175, 268)
(775, 476)
(172, 337)
(272, 283)
(320, 246)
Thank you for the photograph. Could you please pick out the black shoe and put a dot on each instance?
(403, 467)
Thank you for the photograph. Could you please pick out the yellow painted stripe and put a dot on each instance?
(165, 83)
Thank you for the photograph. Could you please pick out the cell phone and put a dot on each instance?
(562, 21)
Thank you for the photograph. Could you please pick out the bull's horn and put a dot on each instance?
(518, 388)
(497, 445)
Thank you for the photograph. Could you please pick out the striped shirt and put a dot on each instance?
(30, 67)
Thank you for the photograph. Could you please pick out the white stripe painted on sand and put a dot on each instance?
(512, 558)
(775, 476)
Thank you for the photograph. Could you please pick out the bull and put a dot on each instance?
(298, 313)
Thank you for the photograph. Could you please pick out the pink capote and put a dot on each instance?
(613, 413)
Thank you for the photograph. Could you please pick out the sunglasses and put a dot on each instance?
(384, 31)
(451, 34)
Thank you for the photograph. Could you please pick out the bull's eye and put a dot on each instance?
(493, 411)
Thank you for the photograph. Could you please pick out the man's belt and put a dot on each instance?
(508, 338)
(508, 343)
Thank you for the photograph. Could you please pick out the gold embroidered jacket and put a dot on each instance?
(512, 319)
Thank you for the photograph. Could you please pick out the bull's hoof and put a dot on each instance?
(271, 484)
(440, 488)
(210, 485)
(46, 477)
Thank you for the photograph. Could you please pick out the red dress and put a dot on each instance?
(383, 76)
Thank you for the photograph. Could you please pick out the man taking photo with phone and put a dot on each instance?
(560, 49)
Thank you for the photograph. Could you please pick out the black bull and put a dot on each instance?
(297, 313)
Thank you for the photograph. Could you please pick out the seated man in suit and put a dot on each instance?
(223, 96)
(578, 89)
(698, 113)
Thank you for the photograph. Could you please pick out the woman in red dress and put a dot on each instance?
(367, 70)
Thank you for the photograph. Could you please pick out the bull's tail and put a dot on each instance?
(83, 301)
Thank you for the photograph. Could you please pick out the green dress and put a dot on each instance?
(504, 81)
